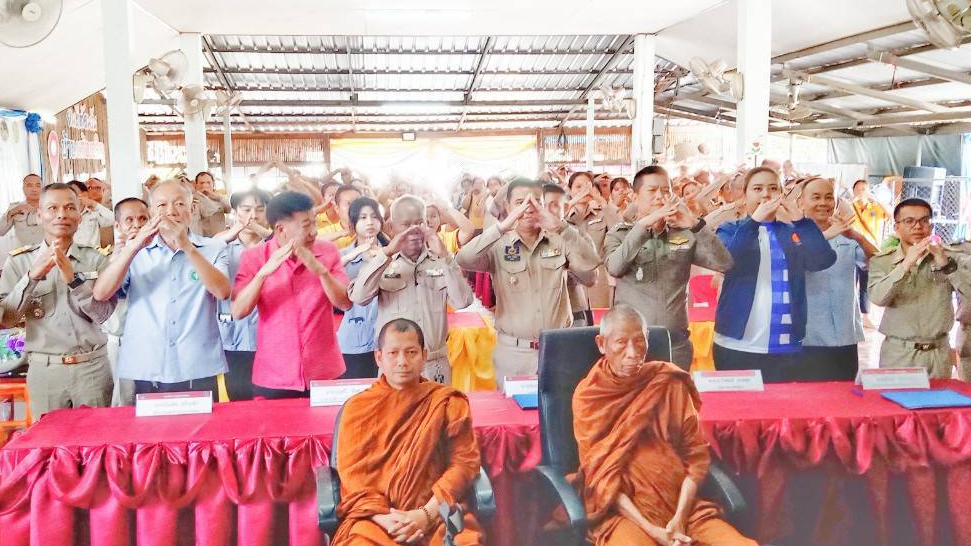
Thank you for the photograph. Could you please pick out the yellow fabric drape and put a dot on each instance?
(470, 353)
(702, 336)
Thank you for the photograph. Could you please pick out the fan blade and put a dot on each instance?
(29, 23)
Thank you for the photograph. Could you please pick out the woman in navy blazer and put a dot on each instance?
(761, 316)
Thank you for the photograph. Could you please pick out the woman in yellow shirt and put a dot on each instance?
(452, 227)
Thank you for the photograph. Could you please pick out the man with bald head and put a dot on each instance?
(173, 280)
(642, 453)
(22, 215)
(414, 277)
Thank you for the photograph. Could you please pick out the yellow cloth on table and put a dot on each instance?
(702, 337)
(470, 353)
(335, 227)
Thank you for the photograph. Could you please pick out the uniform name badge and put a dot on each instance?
(434, 272)
(550, 253)
(390, 273)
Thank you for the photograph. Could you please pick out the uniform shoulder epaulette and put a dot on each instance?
(23, 249)
(623, 225)
(106, 251)
(885, 252)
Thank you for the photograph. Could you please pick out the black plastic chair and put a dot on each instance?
(481, 499)
(565, 357)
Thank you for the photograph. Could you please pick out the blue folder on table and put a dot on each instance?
(934, 398)
(527, 401)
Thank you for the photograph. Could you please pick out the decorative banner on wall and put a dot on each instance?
(82, 140)
(82, 148)
(54, 154)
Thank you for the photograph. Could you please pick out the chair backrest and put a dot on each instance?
(333, 440)
(565, 357)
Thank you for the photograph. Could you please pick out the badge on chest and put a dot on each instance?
(511, 253)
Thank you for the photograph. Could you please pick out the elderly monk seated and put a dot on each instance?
(405, 446)
(642, 454)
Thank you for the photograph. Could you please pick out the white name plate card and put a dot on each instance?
(729, 381)
(520, 384)
(894, 378)
(336, 391)
(173, 403)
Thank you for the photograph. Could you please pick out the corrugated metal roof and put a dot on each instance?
(392, 77)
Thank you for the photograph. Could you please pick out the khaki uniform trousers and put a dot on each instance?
(513, 357)
(54, 385)
(901, 353)
(438, 368)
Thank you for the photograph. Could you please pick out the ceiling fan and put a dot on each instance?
(194, 103)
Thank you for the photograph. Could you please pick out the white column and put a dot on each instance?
(195, 130)
(642, 130)
(754, 62)
(124, 169)
(228, 155)
(591, 108)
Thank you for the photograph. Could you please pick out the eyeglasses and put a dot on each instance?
(910, 222)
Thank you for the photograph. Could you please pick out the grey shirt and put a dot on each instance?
(832, 302)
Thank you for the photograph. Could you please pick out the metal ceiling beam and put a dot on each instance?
(853, 39)
(605, 67)
(878, 121)
(483, 56)
(377, 51)
(375, 103)
(857, 61)
(674, 112)
(392, 72)
(464, 90)
(893, 60)
(364, 115)
(350, 79)
(220, 73)
(866, 91)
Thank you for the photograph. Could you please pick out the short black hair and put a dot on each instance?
(344, 188)
(618, 180)
(401, 325)
(286, 204)
(262, 197)
(553, 188)
(324, 187)
(202, 173)
(125, 201)
(521, 183)
(646, 171)
(912, 202)
(576, 175)
(354, 214)
(58, 186)
(77, 186)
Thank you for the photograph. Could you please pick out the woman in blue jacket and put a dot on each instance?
(761, 317)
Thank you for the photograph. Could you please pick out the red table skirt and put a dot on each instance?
(877, 474)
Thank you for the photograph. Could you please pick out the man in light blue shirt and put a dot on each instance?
(173, 281)
(833, 325)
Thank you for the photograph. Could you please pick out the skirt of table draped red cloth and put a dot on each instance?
(244, 475)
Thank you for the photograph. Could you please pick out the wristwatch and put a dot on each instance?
(948, 268)
(78, 281)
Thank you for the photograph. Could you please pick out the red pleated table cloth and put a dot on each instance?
(244, 474)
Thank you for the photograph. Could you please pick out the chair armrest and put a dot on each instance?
(482, 501)
(721, 487)
(328, 497)
(567, 497)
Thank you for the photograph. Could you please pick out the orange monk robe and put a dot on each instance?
(398, 448)
(639, 436)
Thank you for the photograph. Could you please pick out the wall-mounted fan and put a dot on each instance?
(714, 78)
(24, 23)
(227, 102)
(613, 99)
(946, 22)
(167, 72)
(194, 103)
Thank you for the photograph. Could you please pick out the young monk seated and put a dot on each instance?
(642, 454)
(405, 446)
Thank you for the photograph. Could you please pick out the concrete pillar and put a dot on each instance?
(642, 130)
(195, 130)
(754, 62)
(591, 112)
(124, 169)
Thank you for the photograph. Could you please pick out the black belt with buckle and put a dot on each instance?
(584, 315)
(925, 346)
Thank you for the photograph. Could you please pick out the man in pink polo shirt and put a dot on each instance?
(295, 281)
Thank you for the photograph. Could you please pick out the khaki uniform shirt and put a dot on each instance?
(26, 226)
(593, 223)
(208, 217)
(917, 301)
(653, 269)
(530, 283)
(416, 291)
(60, 320)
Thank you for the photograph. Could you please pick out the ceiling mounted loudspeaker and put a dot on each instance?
(713, 77)
(945, 22)
(24, 23)
(168, 71)
(194, 103)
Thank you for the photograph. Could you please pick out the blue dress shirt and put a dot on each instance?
(237, 335)
(356, 334)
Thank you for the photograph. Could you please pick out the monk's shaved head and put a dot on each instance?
(621, 314)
